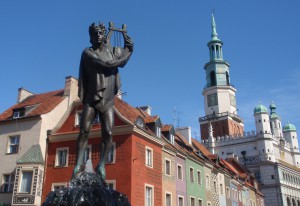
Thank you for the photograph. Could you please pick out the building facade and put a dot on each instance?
(23, 134)
(270, 153)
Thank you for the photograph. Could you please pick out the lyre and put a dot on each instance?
(117, 43)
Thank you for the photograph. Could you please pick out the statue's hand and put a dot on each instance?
(128, 42)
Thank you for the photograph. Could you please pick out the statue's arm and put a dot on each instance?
(90, 58)
(128, 49)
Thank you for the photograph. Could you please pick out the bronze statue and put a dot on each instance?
(98, 83)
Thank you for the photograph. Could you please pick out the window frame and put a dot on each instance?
(207, 181)
(57, 157)
(148, 186)
(89, 155)
(147, 160)
(10, 183)
(180, 197)
(199, 199)
(168, 193)
(21, 181)
(192, 177)
(181, 172)
(192, 198)
(55, 184)
(113, 183)
(199, 178)
(9, 144)
(170, 167)
(113, 152)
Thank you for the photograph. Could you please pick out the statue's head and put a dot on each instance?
(97, 33)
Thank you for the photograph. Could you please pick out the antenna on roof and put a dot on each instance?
(176, 117)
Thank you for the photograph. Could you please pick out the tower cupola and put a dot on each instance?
(219, 94)
(275, 121)
(215, 44)
(262, 121)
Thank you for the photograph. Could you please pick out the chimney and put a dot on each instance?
(23, 94)
(186, 133)
(147, 109)
(119, 94)
(71, 89)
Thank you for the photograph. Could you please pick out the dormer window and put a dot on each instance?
(18, 113)
(171, 138)
(158, 131)
(139, 122)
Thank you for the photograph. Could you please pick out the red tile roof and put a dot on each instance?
(166, 128)
(151, 119)
(44, 102)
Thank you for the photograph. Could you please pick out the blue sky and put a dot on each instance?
(41, 43)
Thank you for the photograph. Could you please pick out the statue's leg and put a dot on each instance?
(88, 116)
(107, 122)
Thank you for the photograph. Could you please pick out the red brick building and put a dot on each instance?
(134, 164)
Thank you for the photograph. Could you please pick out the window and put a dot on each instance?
(168, 199)
(112, 153)
(149, 157)
(8, 182)
(149, 196)
(58, 186)
(192, 174)
(111, 184)
(26, 182)
(193, 201)
(18, 114)
(87, 154)
(180, 201)
(215, 187)
(62, 157)
(179, 172)
(199, 177)
(171, 138)
(79, 116)
(232, 100)
(200, 202)
(97, 119)
(168, 167)
(207, 181)
(208, 204)
(228, 192)
(212, 100)
(158, 131)
(221, 189)
(13, 144)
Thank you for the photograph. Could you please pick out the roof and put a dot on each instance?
(260, 109)
(33, 156)
(40, 103)
(127, 111)
(201, 147)
(289, 127)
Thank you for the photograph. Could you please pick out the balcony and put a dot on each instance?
(216, 116)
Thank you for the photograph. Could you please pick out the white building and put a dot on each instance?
(271, 152)
(23, 136)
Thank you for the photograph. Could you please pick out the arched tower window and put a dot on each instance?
(227, 78)
(288, 201)
(213, 78)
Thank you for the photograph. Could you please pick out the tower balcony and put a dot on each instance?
(215, 116)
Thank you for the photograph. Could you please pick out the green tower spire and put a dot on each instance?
(214, 34)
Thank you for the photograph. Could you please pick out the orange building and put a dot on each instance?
(134, 165)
